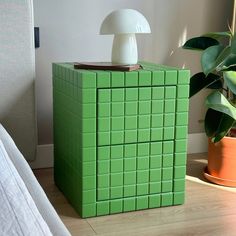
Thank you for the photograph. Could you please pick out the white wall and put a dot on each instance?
(69, 32)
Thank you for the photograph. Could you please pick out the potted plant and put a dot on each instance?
(218, 61)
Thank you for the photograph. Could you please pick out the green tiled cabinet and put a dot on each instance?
(120, 137)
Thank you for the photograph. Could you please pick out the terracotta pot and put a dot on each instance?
(221, 167)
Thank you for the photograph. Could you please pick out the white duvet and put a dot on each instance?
(18, 212)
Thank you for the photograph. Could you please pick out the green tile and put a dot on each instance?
(88, 79)
(103, 194)
(131, 78)
(143, 149)
(131, 122)
(103, 181)
(104, 110)
(182, 118)
(131, 108)
(130, 150)
(157, 120)
(156, 148)
(142, 203)
(169, 106)
(154, 201)
(158, 93)
(144, 121)
(144, 107)
(103, 167)
(142, 189)
(183, 76)
(116, 179)
(166, 199)
(88, 139)
(88, 210)
(143, 163)
(129, 190)
(89, 183)
(103, 138)
(170, 92)
(117, 151)
(142, 176)
(131, 94)
(156, 134)
(167, 173)
(103, 153)
(116, 206)
(183, 91)
(117, 137)
(179, 185)
(158, 78)
(89, 110)
(89, 196)
(117, 123)
(181, 145)
(117, 79)
(171, 77)
(168, 147)
(157, 106)
(181, 132)
(168, 133)
(154, 187)
(143, 135)
(116, 165)
(182, 105)
(130, 164)
(145, 94)
(169, 119)
(88, 96)
(168, 160)
(180, 159)
(103, 208)
(103, 79)
(104, 124)
(104, 95)
(167, 186)
(130, 178)
(89, 154)
(179, 198)
(88, 125)
(116, 192)
(155, 161)
(155, 175)
(118, 95)
(89, 168)
(117, 109)
(129, 204)
(179, 172)
(145, 78)
(131, 136)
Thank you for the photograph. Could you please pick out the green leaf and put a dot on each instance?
(200, 43)
(218, 35)
(228, 63)
(217, 124)
(230, 79)
(218, 102)
(209, 57)
(233, 45)
(200, 81)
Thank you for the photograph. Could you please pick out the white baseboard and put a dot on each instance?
(44, 157)
(197, 143)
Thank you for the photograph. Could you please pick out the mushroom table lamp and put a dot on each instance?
(124, 24)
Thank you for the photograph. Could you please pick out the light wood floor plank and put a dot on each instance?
(209, 210)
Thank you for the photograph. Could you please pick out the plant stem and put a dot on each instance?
(233, 18)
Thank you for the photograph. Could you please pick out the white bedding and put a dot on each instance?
(18, 213)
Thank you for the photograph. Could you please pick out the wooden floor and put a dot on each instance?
(209, 210)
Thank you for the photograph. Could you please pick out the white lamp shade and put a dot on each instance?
(125, 21)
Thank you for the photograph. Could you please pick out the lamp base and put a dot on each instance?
(124, 50)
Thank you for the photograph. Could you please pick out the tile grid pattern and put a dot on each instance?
(78, 146)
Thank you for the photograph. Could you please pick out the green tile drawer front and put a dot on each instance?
(120, 137)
